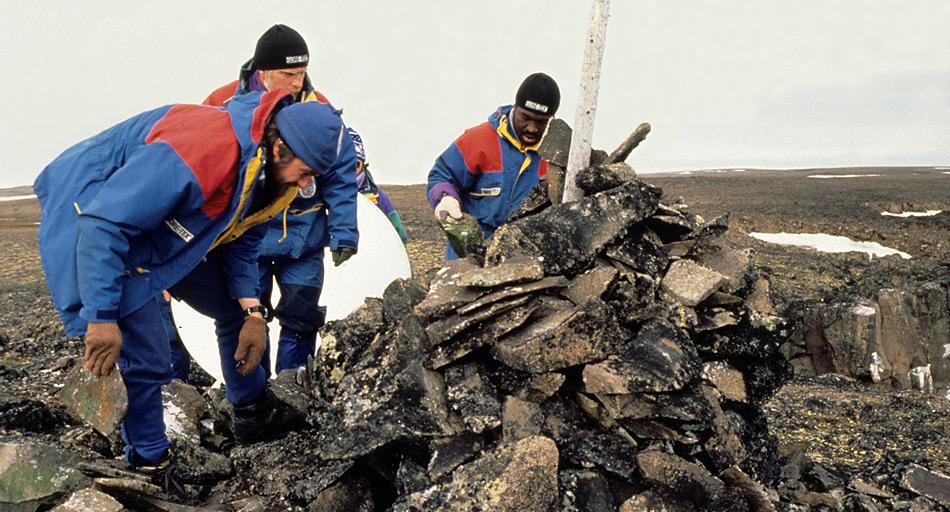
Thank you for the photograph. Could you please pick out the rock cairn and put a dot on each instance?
(608, 353)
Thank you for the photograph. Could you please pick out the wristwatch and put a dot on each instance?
(260, 308)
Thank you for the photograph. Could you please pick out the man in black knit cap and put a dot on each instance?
(491, 168)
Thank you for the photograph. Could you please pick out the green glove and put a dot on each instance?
(342, 254)
(463, 234)
(397, 223)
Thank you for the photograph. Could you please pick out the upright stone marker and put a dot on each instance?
(579, 157)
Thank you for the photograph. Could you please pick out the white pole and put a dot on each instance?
(579, 157)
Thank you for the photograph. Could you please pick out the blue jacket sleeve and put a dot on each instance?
(338, 188)
(136, 198)
(238, 260)
(450, 175)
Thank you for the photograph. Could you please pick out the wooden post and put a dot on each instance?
(579, 157)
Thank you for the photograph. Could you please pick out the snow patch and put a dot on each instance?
(928, 213)
(18, 198)
(946, 351)
(862, 310)
(828, 243)
(830, 176)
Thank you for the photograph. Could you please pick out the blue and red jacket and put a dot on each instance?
(131, 211)
(488, 170)
(328, 219)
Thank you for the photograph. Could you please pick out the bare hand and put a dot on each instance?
(103, 344)
(251, 344)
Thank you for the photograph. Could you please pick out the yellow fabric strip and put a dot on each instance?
(237, 227)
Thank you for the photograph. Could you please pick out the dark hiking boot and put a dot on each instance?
(165, 474)
(257, 420)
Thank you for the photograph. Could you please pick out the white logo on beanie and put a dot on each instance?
(536, 106)
(297, 59)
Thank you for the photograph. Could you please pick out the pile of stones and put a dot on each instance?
(612, 352)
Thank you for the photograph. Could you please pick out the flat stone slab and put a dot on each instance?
(585, 491)
(689, 283)
(727, 380)
(514, 270)
(34, 474)
(925, 482)
(445, 292)
(683, 477)
(466, 343)
(732, 263)
(451, 452)
(89, 499)
(520, 419)
(513, 291)
(591, 284)
(447, 328)
(100, 402)
(566, 338)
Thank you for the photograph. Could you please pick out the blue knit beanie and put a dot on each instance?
(313, 131)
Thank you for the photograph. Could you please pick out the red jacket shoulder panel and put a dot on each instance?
(480, 148)
(222, 94)
(204, 140)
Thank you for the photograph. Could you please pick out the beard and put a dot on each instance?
(272, 184)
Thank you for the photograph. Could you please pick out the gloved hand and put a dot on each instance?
(252, 340)
(103, 344)
(448, 207)
(342, 254)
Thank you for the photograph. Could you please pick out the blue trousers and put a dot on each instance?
(300, 281)
(145, 360)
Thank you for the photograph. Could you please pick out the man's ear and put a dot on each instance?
(275, 151)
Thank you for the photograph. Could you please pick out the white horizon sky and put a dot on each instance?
(725, 83)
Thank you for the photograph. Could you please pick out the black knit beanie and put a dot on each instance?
(281, 47)
(539, 93)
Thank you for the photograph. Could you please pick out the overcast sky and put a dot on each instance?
(741, 83)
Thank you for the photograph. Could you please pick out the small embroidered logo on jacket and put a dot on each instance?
(297, 59)
(179, 230)
(536, 106)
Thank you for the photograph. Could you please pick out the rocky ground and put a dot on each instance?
(846, 426)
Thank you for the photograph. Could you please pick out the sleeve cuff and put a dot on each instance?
(440, 189)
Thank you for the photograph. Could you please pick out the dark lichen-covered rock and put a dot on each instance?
(538, 199)
(585, 444)
(388, 395)
(660, 358)
(342, 343)
(480, 336)
(451, 452)
(641, 251)
(400, 297)
(598, 178)
(283, 469)
(520, 477)
(568, 236)
(584, 491)
(472, 397)
(567, 338)
(688, 479)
